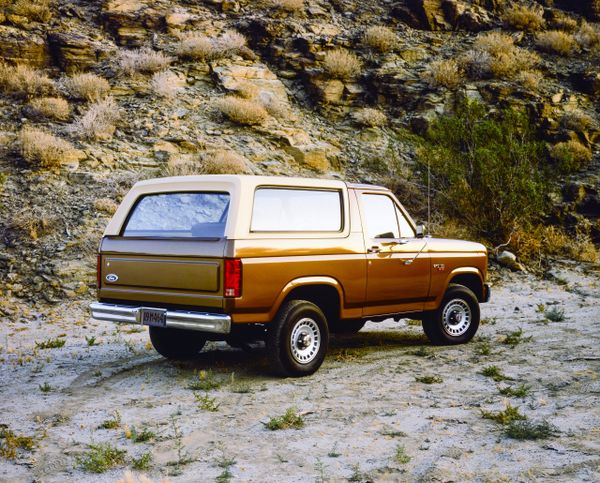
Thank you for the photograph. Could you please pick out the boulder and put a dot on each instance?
(235, 77)
(18, 46)
(587, 81)
(509, 259)
(73, 52)
(131, 21)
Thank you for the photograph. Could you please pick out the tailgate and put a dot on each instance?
(163, 272)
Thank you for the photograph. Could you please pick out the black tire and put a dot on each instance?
(346, 326)
(177, 344)
(303, 322)
(457, 318)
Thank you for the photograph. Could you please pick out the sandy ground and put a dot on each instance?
(366, 416)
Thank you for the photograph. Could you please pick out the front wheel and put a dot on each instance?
(177, 344)
(457, 318)
(297, 339)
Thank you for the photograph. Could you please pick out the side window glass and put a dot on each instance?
(406, 231)
(380, 216)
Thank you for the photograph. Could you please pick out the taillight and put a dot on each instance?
(98, 271)
(233, 277)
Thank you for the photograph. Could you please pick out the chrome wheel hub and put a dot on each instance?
(305, 340)
(456, 317)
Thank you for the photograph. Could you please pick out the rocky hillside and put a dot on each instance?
(95, 95)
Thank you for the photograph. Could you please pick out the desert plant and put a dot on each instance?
(555, 314)
(144, 61)
(142, 462)
(206, 403)
(381, 38)
(101, 457)
(87, 86)
(105, 205)
(429, 379)
(522, 17)
(400, 456)
(10, 442)
(515, 391)
(486, 170)
(45, 388)
(223, 161)
(40, 147)
(494, 43)
(91, 341)
(55, 108)
(165, 84)
(229, 42)
(515, 338)
(290, 420)
(112, 423)
(196, 46)
(577, 120)
(99, 120)
(370, 117)
(570, 155)
(444, 73)
(140, 436)
(588, 37)
(205, 381)
(55, 343)
(556, 42)
(530, 79)
(242, 111)
(506, 416)
(525, 429)
(341, 64)
(33, 223)
(24, 81)
(562, 21)
(495, 373)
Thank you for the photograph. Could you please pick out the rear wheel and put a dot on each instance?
(297, 339)
(457, 318)
(346, 326)
(177, 344)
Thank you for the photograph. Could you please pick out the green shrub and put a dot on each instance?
(485, 170)
(101, 457)
(290, 419)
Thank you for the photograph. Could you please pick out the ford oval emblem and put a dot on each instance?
(112, 277)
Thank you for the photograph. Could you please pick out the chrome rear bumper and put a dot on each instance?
(176, 319)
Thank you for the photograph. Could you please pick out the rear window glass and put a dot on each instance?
(277, 209)
(174, 215)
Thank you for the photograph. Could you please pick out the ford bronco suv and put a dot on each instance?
(285, 260)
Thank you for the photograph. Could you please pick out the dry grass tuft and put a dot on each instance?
(495, 43)
(561, 21)
(444, 73)
(36, 10)
(144, 61)
(224, 162)
(105, 205)
(40, 147)
(55, 108)
(588, 37)
(556, 42)
(165, 84)
(290, 6)
(197, 46)
(242, 111)
(275, 107)
(577, 120)
(570, 155)
(524, 18)
(370, 117)
(381, 38)
(99, 120)
(530, 79)
(90, 87)
(341, 64)
(24, 81)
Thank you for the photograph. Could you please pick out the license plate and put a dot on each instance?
(153, 317)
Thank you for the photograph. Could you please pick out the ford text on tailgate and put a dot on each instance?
(284, 260)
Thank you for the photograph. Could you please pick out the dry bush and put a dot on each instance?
(106, 205)
(588, 37)
(242, 111)
(144, 60)
(290, 6)
(556, 42)
(562, 21)
(495, 43)
(577, 120)
(99, 120)
(275, 107)
(530, 79)
(90, 87)
(247, 90)
(570, 155)
(381, 38)
(24, 81)
(33, 223)
(40, 147)
(224, 162)
(444, 73)
(36, 10)
(341, 64)
(197, 46)
(55, 108)
(507, 65)
(524, 18)
(182, 167)
(370, 117)
(165, 84)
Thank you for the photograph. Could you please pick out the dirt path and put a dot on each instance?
(365, 414)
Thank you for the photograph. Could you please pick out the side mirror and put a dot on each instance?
(420, 230)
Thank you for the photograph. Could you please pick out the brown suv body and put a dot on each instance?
(344, 270)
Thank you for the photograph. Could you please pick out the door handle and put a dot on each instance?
(373, 249)
(395, 241)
